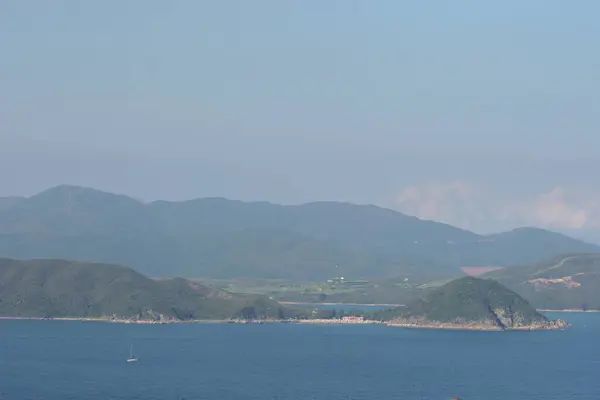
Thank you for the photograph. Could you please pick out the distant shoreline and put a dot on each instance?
(88, 319)
(572, 310)
(567, 310)
(316, 321)
(477, 328)
(118, 320)
(333, 321)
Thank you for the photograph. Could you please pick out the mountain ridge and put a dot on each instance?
(218, 237)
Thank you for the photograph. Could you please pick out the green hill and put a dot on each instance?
(222, 238)
(470, 303)
(566, 282)
(57, 288)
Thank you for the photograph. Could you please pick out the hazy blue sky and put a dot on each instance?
(468, 111)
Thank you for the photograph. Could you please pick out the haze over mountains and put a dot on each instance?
(216, 237)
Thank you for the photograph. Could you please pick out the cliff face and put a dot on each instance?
(471, 303)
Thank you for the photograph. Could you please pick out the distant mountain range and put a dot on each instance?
(56, 288)
(221, 238)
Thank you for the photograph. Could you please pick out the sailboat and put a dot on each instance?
(131, 356)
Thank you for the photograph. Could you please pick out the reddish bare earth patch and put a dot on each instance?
(476, 271)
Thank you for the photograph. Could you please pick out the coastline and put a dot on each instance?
(480, 328)
(271, 321)
(446, 327)
(89, 319)
(351, 321)
(566, 310)
(199, 321)
(338, 322)
(572, 310)
(316, 321)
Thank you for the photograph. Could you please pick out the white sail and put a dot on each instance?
(131, 356)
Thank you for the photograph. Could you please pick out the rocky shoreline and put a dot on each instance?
(94, 319)
(566, 310)
(477, 325)
(409, 324)
(571, 310)
(336, 321)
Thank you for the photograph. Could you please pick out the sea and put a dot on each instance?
(71, 360)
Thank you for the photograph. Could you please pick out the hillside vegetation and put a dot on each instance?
(470, 302)
(57, 288)
(222, 238)
(566, 282)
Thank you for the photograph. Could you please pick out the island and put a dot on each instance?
(470, 303)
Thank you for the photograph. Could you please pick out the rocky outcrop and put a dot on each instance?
(483, 325)
(472, 304)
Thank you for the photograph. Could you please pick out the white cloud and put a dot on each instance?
(474, 207)
(558, 209)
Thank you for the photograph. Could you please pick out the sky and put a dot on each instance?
(480, 114)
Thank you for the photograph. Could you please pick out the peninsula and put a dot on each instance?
(60, 289)
(470, 304)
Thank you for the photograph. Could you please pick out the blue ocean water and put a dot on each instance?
(55, 360)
